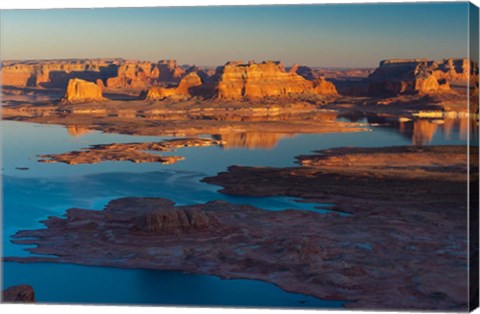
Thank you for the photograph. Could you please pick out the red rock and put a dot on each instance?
(184, 89)
(252, 81)
(79, 91)
(419, 76)
(132, 75)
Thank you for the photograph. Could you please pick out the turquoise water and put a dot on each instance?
(44, 190)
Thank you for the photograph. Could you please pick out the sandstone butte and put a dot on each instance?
(239, 81)
(419, 76)
(79, 91)
(184, 89)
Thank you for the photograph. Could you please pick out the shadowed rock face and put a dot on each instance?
(158, 216)
(20, 294)
(304, 71)
(79, 91)
(238, 81)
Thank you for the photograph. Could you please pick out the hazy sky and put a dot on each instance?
(342, 35)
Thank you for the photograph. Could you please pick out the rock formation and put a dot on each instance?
(169, 71)
(20, 293)
(253, 81)
(115, 73)
(420, 76)
(55, 73)
(455, 70)
(184, 89)
(79, 91)
(133, 75)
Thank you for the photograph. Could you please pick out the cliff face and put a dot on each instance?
(238, 81)
(184, 89)
(455, 70)
(133, 75)
(420, 76)
(79, 91)
(55, 73)
(115, 73)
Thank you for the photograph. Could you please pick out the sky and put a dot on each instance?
(328, 35)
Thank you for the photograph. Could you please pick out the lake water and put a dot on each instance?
(32, 191)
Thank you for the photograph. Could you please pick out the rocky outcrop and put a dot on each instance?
(455, 70)
(79, 91)
(253, 81)
(133, 75)
(20, 294)
(185, 89)
(420, 76)
(395, 77)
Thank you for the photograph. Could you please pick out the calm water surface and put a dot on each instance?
(49, 189)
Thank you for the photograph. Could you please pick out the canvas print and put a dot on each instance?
(279, 156)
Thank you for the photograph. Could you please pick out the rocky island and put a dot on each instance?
(134, 152)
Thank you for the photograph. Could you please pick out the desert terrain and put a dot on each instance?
(399, 214)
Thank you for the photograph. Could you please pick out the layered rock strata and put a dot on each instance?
(239, 81)
(422, 76)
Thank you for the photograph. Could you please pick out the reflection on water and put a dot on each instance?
(77, 131)
(422, 131)
(251, 140)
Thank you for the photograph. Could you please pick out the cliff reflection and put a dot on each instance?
(251, 140)
(422, 131)
(77, 131)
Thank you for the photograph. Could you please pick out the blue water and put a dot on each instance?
(49, 189)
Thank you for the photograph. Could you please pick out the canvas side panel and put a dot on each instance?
(474, 161)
